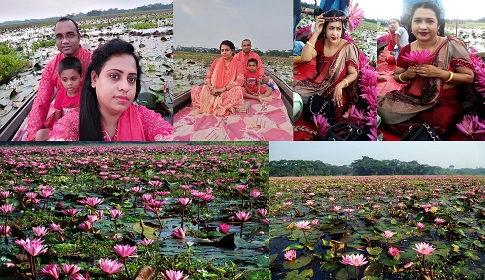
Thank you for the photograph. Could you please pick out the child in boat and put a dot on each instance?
(252, 83)
(70, 72)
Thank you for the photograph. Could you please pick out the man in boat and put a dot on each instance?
(245, 54)
(67, 42)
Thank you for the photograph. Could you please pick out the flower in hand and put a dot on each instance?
(417, 57)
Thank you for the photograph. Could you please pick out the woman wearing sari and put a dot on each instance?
(107, 112)
(432, 67)
(337, 63)
(222, 92)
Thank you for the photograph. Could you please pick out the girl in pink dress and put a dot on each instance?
(222, 91)
(107, 112)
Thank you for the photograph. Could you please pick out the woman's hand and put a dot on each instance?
(337, 96)
(410, 73)
(319, 21)
(428, 71)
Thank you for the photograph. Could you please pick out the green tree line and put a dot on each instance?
(272, 53)
(365, 166)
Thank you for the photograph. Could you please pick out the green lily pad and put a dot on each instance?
(298, 263)
(374, 269)
(374, 251)
(294, 275)
(329, 267)
(258, 275)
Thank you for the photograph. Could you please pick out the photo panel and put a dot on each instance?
(430, 76)
(29, 42)
(155, 210)
(229, 101)
(387, 210)
(334, 70)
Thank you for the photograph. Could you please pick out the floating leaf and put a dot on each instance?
(147, 231)
(294, 275)
(258, 275)
(374, 269)
(298, 263)
(374, 251)
(296, 246)
(329, 267)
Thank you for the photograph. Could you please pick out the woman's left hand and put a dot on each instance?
(337, 96)
(427, 70)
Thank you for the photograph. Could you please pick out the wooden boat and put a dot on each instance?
(267, 121)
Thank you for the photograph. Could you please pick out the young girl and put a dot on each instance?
(252, 83)
(70, 72)
(107, 112)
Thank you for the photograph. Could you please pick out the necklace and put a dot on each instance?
(106, 136)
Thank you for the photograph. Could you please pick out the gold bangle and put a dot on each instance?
(346, 83)
(451, 77)
(400, 79)
(310, 44)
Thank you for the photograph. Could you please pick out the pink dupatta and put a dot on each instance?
(221, 77)
(130, 127)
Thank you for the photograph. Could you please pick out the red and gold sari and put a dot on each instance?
(220, 76)
(436, 106)
(330, 71)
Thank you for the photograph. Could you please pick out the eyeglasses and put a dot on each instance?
(69, 36)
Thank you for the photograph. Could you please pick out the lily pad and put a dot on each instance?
(298, 263)
(304, 275)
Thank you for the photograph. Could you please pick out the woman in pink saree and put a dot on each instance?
(222, 92)
(107, 112)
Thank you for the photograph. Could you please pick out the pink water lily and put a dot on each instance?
(354, 260)
(178, 233)
(40, 231)
(472, 127)
(290, 255)
(393, 252)
(424, 248)
(109, 266)
(70, 269)
(125, 251)
(174, 275)
(224, 228)
(51, 270)
(418, 57)
(322, 125)
(356, 16)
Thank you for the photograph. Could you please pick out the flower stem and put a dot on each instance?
(126, 268)
(357, 272)
(242, 226)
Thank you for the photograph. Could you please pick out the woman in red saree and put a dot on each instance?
(107, 112)
(432, 94)
(337, 63)
(222, 92)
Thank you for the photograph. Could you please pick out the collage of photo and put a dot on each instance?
(257, 139)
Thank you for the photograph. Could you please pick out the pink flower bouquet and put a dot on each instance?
(356, 16)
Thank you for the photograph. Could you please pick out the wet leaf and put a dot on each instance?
(145, 230)
(329, 267)
(294, 275)
(258, 275)
(374, 269)
(296, 246)
(374, 251)
(298, 263)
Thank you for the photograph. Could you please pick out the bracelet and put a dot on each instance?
(400, 79)
(310, 44)
(451, 77)
(346, 83)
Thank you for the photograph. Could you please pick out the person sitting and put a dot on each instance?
(67, 98)
(337, 63)
(252, 83)
(397, 38)
(67, 42)
(222, 92)
(107, 112)
(432, 93)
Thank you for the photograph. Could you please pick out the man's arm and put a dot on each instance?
(40, 108)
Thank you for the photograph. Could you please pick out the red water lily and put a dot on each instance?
(417, 57)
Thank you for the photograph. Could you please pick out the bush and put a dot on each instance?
(144, 25)
(10, 63)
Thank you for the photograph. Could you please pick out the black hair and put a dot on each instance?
(229, 44)
(89, 115)
(333, 13)
(68, 19)
(70, 62)
(397, 20)
(253, 60)
(426, 5)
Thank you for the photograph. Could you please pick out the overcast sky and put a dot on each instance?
(386, 9)
(444, 154)
(35, 9)
(206, 23)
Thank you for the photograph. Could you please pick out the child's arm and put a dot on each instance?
(259, 85)
(246, 87)
(58, 114)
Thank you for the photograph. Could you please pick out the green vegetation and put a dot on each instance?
(43, 44)
(10, 63)
(363, 167)
(144, 25)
